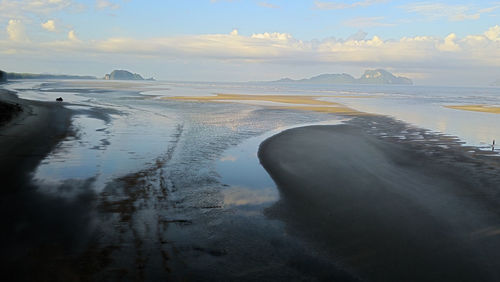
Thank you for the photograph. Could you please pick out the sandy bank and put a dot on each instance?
(8, 111)
(477, 108)
(306, 103)
(383, 210)
(29, 137)
(37, 229)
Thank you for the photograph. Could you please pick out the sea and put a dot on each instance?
(140, 122)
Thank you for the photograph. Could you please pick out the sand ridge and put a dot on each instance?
(383, 207)
(300, 102)
(477, 108)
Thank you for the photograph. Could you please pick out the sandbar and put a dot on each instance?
(300, 102)
(477, 108)
(382, 209)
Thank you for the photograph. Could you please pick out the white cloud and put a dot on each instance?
(49, 25)
(16, 31)
(72, 36)
(105, 4)
(411, 53)
(272, 36)
(493, 33)
(339, 5)
(434, 10)
(22, 9)
(449, 43)
(489, 9)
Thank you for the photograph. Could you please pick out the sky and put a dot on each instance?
(431, 42)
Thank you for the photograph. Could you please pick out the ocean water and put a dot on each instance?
(137, 122)
(113, 145)
(422, 106)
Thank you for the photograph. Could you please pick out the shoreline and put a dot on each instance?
(30, 136)
(48, 231)
(29, 244)
(383, 209)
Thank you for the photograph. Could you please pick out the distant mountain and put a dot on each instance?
(286, 79)
(343, 78)
(378, 76)
(124, 75)
(13, 75)
(3, 76)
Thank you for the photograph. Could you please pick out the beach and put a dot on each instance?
(28, 240)
(387, 211)
(29, 136)
(136, 181)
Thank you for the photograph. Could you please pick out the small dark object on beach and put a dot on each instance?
(59, 99)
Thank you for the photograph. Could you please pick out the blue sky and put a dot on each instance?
(443, 42)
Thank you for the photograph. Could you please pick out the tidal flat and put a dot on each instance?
(132, 183)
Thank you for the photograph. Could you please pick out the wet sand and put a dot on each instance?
(384, 210)
(40, 233)
(168, 220)
(29, 137)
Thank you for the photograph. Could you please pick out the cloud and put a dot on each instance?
(366, 22)
(49, 25)
(433, 11)
(268, 5)
(72, 36)
(339, 5)
(449, 43)
(489, 9)
(411, 53)
(22, 9)
(105, 4)
(493, 33)
(16, 31)
(272, 36)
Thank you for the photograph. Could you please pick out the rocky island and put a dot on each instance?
(124, 75)
(377, 76)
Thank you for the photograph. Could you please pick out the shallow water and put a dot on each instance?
(136, 132)
(248, 183)
(181, 180)
(422, 106)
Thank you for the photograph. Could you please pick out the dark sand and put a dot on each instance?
(39, 232)
(382, 209)
(398, 215)
(28, 137)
